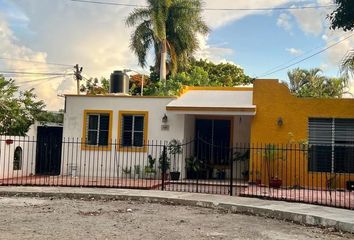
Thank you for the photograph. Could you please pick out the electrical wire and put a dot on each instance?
(37, 62)
(39, 79)
(213, 9)
(306, 58)
(301, 55)
(29, 73)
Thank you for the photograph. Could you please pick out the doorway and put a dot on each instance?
(213, 140)
(48, 151)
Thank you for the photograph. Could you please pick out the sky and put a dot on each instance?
(96, 37)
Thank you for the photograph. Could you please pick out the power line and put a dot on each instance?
(29, 73)
(304, 59)
(37, 62)
(303, 54)
(213, 9)
(38, 80)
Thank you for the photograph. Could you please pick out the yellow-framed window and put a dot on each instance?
(97, 129)
(133, 130)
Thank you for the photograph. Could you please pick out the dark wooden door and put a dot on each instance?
(48, 151)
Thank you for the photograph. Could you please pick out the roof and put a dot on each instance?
(117, 96)
(229, 101)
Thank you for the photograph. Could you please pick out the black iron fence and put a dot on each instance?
(293, 172)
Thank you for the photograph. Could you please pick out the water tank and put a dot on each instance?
(119, 83)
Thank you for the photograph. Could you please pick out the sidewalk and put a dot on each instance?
(340, 219)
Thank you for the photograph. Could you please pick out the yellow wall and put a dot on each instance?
(273, 101)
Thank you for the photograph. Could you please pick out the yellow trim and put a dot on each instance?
(146, 124)
(214, 109)
(103, 148)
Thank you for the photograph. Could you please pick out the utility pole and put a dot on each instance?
(78, 77)
(142, 85)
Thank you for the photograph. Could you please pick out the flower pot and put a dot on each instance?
(275, 183)
(175, 176)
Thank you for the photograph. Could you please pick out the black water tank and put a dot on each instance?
(119, 83)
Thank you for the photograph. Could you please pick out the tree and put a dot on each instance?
(199, 73)
(171, 27)
(347, 66)
(93, 87)
(343, 16)
(310, 83)
(51, 117)
(18, 109)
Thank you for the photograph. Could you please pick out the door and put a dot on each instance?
(48, 151)
(213, 138)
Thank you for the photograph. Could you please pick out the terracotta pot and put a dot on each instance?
(275, 183)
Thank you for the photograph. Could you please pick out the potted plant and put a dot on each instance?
(164, 164)
(137, 171)
(194, 168)
(220, 174)
(174, 149)
(271, 154)
(244, 157)
(127, 171)
(149, 170)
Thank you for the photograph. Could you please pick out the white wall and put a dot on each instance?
(28, 146)
(110, 163)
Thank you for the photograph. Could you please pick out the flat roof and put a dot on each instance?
(117, 96)
(231, 100)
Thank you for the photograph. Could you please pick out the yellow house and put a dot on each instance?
(300, 142)
(312, 140)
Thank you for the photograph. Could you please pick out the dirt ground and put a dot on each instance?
(33, 218)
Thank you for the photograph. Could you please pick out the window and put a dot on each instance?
(97, 128)
(18, 159)
(331, 145)
(133, 129)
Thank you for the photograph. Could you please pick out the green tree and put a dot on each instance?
(171, 27)
(51, 117)
(311, 83)
(93, 86)
(199, 73)
(343, 16)
(18, 109)
(347, 66)
(223, 74)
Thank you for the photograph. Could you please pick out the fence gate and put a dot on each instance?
(48, 150)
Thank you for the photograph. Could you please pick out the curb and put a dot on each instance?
(304, 219)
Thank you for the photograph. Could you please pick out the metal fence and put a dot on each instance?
(293, 172)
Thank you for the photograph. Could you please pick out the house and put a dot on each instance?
(208, 122)
(269, 134)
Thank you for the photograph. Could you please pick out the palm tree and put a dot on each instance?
(171, 27)
(347, 66)
(310, 83)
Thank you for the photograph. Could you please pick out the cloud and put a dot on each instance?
(283, 21)
(214, 53)
(11, 48)
(218, 19)
(294, 51)
(311, 21)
